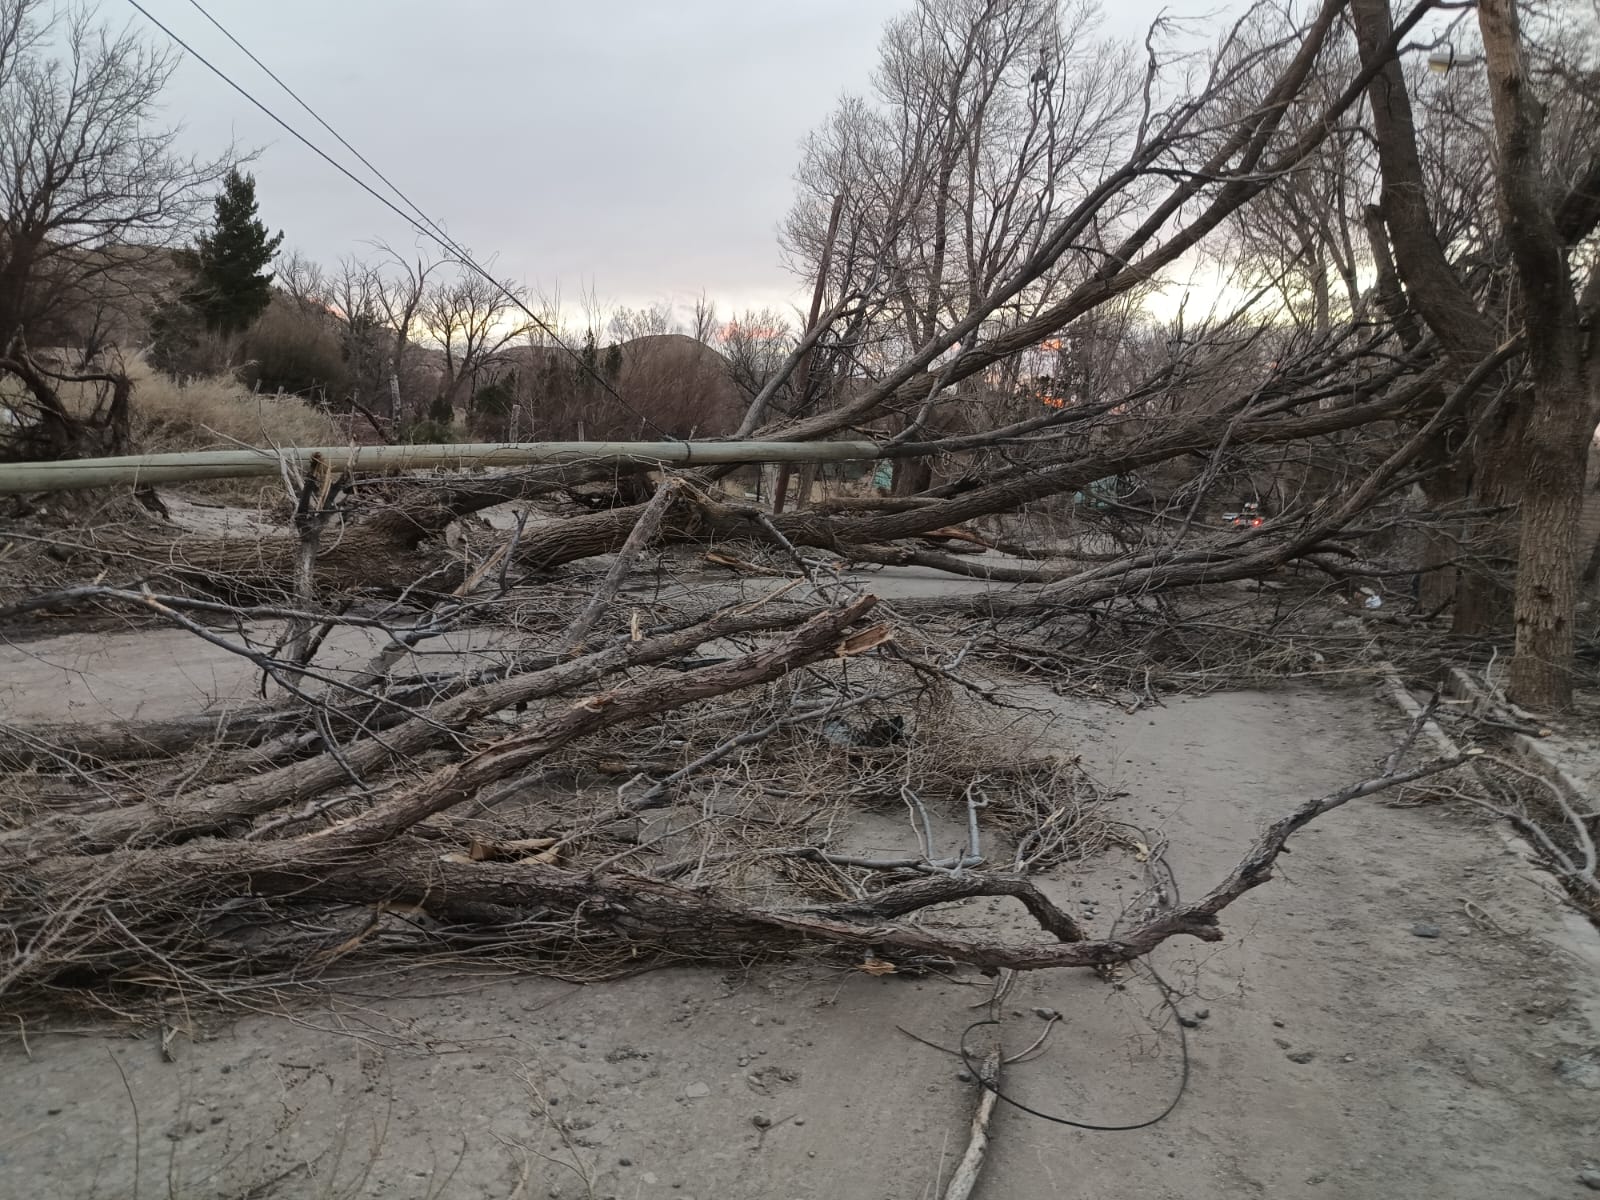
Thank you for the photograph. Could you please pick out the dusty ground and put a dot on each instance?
(1341, 1055)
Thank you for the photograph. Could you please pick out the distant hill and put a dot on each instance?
(682, 384)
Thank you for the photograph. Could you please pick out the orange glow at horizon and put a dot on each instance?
(765, 332)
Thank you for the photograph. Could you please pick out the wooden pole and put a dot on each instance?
(142, 469)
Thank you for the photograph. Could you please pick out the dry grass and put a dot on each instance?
(210, 412)
(216, 412)
(213, 412)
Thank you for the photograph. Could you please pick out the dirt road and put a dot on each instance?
(1340, 1055)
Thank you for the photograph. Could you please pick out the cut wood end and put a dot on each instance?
(953, 534)
(867, 639)
(482, 849)
(739, 564)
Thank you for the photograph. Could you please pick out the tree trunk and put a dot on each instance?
(1484, 595)
(911, 476)
(1559, 422)
(1547, 583)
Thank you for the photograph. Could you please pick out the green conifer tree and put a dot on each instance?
(231, 287)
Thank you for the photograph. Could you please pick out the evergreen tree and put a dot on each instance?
(231, 288)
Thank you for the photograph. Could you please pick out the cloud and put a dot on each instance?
(642, 148)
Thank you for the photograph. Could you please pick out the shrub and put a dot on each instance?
(297, 352)
(427, 432)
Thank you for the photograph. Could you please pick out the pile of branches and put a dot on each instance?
(617, 781)
(455, 805)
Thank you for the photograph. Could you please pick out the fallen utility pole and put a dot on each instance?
(139, 469)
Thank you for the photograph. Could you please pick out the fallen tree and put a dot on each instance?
(103, 920)
(383, 807)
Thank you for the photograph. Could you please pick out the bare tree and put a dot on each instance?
(88, 180)
(402, 283)
(703, 323)
(1455, 257)
(303, 281)
(626, 324)
(986, 117)
(357, 293)
(1305, 238)
(755, 342)
(92, 189)
(472, 321)
(1558, 314)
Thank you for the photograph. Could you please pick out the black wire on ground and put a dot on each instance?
(1167, 994)
(1183, 1079)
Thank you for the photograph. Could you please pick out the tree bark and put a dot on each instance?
(62, 903)
(1435, 291)
(1547, 574)
(216, 809)
(1554, 457)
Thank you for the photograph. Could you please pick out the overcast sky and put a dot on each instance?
(641, 148)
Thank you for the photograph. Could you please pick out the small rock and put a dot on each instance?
(1425, 929)
(761, 1122)
(1277, 1024)
(1300, 1056)
(964, 1075)
(697, 1091)
(1590, 1178)
(1200, 1014)
(1189, 1022)
(1281, 1043)
(799, 1120)
(1580, 1072)
(624, 1162)
(1046, 1014)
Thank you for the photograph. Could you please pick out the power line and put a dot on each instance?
(422, 223)
(315, 116)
